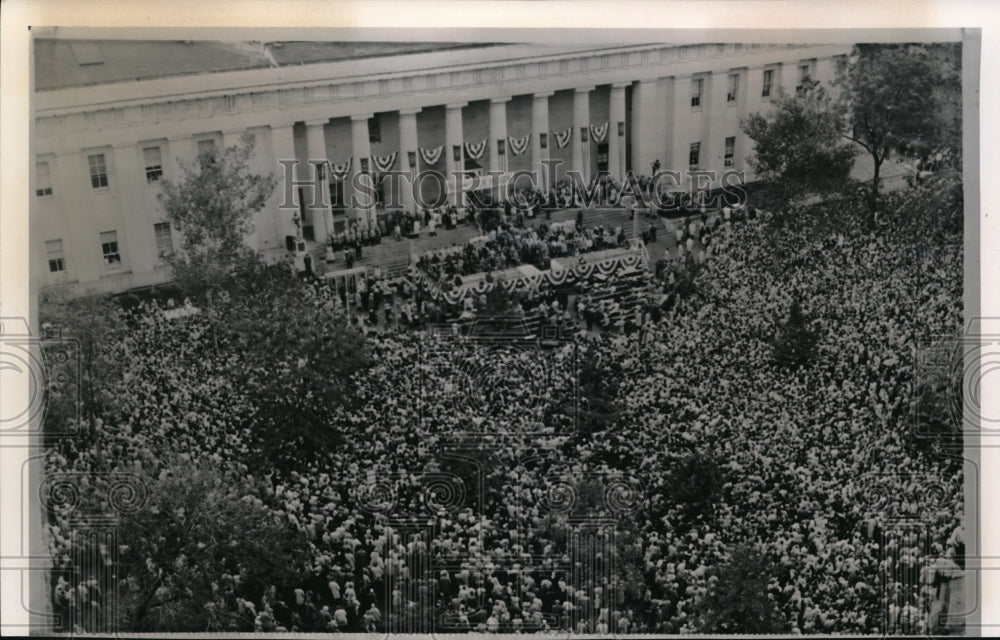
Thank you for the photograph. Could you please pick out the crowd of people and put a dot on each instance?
(511, 246)
(797, 449)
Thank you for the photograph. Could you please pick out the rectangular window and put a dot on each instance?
(206, 151)
(109, 248)
(730, 150)
(734, 86)
(164, 241)
(765, 91)
(697, 84)
(693, 154)
(153, 162)
(54, 252)
(803, 73)
(43, 187)
(374, 131)
(98, 171)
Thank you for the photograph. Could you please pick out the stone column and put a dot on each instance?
(283, 143)
(498, 132)
(680, 116)
(540, 126)
(788, 76)
(361, 151)
(714, 124)
(616, 114)
(581, 120)
(408, 143)
(318, 172)
(454, 137)
(647, 128)
(130, 176)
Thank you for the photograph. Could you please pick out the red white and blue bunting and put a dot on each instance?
(340, 171)
(431, 156)
(384, 163)
(475, 151)
(598, 132)
(519, 145)
(563, 137)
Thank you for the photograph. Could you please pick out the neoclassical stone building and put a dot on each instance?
(112, 119)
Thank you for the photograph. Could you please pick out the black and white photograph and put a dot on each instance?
(502, 332)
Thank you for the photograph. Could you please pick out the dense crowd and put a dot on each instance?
(797, 449)
(512, 245)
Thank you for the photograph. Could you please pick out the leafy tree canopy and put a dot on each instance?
(799, 148)
(212, 207)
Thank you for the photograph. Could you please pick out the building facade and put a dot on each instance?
(105, 134)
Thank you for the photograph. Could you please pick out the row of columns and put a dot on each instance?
(650, 135)
(284, 146)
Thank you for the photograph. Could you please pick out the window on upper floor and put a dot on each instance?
(697, 86)
(98, 171)
(109, 249)
(43, 179)
(55, 256)
(694, 153)
(730, 150)
(805, 76)
(734, 87)
(164, 241)
(153, 161)
(765, 91)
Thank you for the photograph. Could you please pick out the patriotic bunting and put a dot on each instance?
(598, 133)
(563, 137)
(519, 145)
(384, 163)
(340, 171)
(431, 156)
(475, 151)
(622, 264)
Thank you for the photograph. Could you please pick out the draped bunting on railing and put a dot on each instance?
(340, 171)
(475, 151)
(431, 156)
(620, 265)
(563, 137)
(598, 132)
(519, 145)
(384, 163)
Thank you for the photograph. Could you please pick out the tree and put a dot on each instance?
(212, 207)
(299, 359)
(900, 97)
(696, 484)
(795, 343)
(198, 526)
(499, 301)
(738, 601)
(799, 150)
(92, 325)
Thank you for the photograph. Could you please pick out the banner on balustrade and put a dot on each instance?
(619, 263)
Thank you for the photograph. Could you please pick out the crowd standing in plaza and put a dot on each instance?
(796, 450)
